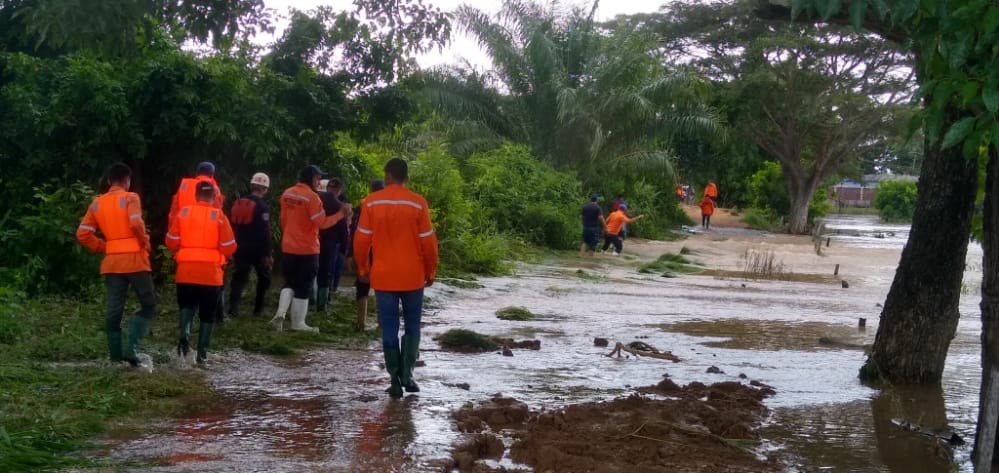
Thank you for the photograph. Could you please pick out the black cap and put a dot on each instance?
(205, 186)
(311, 171)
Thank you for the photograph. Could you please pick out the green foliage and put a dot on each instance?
(466, 341)
(38, 248)
(769, 197)
(514, 313)
(896, 201)
(525, 197)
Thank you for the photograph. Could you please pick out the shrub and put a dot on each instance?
(513, 188)
(896, 201)
(38, 247)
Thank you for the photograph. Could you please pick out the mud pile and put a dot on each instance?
(698, 428)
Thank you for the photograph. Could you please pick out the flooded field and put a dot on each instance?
(328, 411)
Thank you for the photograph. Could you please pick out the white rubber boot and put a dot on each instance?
(284, 302)
(299, 308)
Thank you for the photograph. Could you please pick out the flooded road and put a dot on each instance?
(328, 411)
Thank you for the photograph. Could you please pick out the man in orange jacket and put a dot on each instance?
(396, 227)
(185, 195)
(302, 216)
(201, 240)
(616, 222)
(711, 190)
(707, 210)
(117, 214)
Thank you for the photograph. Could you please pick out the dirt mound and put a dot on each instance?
(498, 413)
(704, 428)
(518, 344)
(467, 341)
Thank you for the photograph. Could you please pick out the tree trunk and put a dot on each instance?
(921, 311)
(798, 218)
(988, 407)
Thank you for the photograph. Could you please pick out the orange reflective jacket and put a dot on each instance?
(395, 225)
(117, 214)
(302, 216)
(707, 206)
(201, 239)
(186, 194)
(112, 216)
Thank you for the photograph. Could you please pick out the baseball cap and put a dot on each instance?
(206, 168)
(204, 186)
(309, 172)
(594, 197)
(624, 207)
(261, 179)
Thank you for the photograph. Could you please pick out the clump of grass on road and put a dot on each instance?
(466, 341)
(671, 265)
(514, 313)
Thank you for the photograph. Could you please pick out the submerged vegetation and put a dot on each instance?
(670, 265)
(514, 313)
(466, 341)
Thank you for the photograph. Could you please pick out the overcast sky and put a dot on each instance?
(461, 45)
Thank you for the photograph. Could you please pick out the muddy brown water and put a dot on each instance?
(328, 411)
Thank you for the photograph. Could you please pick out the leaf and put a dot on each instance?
(958, 132)
(990, 95)
(991, 22)
(903, 10)
(858, 8)
(956, 50)
(880, 8)
(831, 8)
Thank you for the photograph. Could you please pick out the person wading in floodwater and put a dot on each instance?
(615, 225)
(593, 225)
(395, 226)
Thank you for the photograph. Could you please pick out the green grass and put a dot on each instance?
(670, 265)
(762, 220)
(514, 313)
(462, 340)
(59, 393)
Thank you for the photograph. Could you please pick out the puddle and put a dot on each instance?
(328, 412)
(774, 335)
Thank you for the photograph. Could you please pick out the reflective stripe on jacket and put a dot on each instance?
(395, 225)
(117, 215)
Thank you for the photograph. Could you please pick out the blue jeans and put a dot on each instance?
(388, 312)
(338, 263)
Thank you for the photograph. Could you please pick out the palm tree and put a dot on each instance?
(582, 95)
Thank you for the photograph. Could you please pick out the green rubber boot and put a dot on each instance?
(322, 298)
(138, 327)
(186, 321)
(204, 341)
(410, 352)
(114, 346)
(393, 360)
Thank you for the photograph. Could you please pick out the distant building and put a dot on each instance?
(850, 193)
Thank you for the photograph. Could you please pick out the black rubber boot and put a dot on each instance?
(393, 361)
(410, 352)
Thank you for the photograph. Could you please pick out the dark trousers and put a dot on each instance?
(706, 221)
(202, 299)
(241, 276)
(298, 272)
(388, 312)
(117, 291)
(329, 257)
(611, 239)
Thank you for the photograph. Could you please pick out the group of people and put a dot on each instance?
(390, 236)
(614, 228)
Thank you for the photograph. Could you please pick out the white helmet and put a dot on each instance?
(261, 179)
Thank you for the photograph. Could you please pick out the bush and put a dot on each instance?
(38, 248)
(896, 201)
(466, 341)
(514, 313)
(525, 197)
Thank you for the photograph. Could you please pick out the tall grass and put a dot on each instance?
(762, 264)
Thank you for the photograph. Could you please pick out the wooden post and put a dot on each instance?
(861, 322)
(836, 271)
(828, 241)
